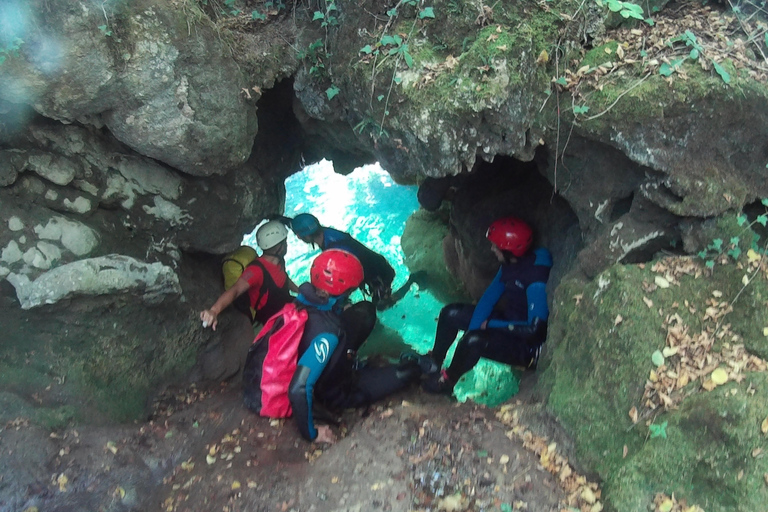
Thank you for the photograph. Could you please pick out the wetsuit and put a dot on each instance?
(267, 290)
(515, 308)
(326, 369)
(379, 274)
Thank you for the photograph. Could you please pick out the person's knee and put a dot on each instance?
(451, 311)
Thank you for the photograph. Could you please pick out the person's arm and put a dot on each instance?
(308, 370)
(291, 285)
(536, 294)
(485, 305)
(210, 316)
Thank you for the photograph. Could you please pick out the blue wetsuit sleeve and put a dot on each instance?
(308, 370)
(486, 303)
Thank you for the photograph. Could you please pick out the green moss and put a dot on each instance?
(598, 371)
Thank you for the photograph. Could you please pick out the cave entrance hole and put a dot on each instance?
(372, 208)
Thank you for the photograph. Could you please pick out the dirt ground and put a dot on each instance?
(203, 451)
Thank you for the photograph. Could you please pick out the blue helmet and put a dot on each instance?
(305, 224)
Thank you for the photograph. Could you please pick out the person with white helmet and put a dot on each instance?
(264, 281)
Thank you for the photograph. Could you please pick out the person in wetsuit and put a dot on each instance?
(509, 322)
(264, 286)
(327, 371)
(378, 273)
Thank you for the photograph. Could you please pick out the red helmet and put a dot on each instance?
(510, 234)
(336, 271)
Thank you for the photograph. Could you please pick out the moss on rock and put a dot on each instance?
(606, 332)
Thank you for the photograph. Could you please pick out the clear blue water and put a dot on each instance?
(372, 208)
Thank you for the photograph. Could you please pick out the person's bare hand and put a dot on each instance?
(325, 435)
(209, 318)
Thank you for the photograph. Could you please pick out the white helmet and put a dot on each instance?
(271, 234)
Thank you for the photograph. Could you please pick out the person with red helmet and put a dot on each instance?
(327, 371)
(509, 322)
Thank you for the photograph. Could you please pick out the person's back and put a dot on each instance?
(378, 273)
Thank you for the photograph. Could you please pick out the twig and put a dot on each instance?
(751, 38)
(619, 97)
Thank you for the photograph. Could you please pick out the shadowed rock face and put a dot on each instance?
(140, 140)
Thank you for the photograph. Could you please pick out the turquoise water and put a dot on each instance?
(372, 208)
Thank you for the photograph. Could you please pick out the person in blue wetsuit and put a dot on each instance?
(509, 323)
(378, 273)
(327, 371)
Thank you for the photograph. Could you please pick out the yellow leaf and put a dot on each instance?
(717, 293)
(588, 496)
(251, 484)
(752, 256)
(669, 351)
(31, 509)
(620, 52)
(653, 377)
(543, 57)
(120, 492)
(597, 507)
(235, 485)
(719, 376)
(633, 414)
(210, 460)
(745, 280)
(648, 302)
(111, 447)
(661, 282)
(666, 505)
(502, 48)
(608, 50)
(764, 426)
(62, 480)
(765, 331)
(504, 459)
(335, 480)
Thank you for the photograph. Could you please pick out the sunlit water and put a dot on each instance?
(372, 208)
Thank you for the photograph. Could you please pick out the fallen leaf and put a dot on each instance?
(657, 358)
(764, 426)
(717, 293)
(719, 377)
(62, 480)
(251, 484)
(543, 57)
(661, 282)
(588, 496)
(669, 351)
(502, 48)
(648, 302)
(504, 459)
(335, 480)
(210, 460)
(618, 320)
(666, 505)
(765, 331)
(752, 256)
(624, 452)
(620, 52)
(633, 415)
(756, 452)
(235, 485)
(119, 492)
(745, 280)
(111, 447)
(451, 62)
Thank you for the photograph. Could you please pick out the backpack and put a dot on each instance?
(234, 264)
(271, 363)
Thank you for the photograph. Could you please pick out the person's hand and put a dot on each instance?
(209, 318)
(325, 435)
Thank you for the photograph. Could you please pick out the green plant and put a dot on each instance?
(327, 18)
(690, 40)
(105, 30)
(331, 92)
(717, 249)
(231, 9)
(256, 15)
(658, 430)
(625, 9)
